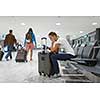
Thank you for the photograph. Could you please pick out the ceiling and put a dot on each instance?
(42, 25)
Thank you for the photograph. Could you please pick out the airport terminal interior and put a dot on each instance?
(82, 33)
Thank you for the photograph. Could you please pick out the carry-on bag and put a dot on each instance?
(44, 63)
(21, 55)
(1, 55)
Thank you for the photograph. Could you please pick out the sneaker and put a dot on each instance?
(59, 75)
(56, 76)
(7, 59)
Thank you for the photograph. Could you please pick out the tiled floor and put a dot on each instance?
(12, 72)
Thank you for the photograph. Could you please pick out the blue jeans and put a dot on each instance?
(55, 57)
(9, 53)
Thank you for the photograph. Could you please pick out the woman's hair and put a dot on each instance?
(30, 30)
(52, 34)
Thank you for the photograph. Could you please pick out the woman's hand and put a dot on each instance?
(55, 49)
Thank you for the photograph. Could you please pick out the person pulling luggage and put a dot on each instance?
(29, 42)
(9, 41)
(60, 50)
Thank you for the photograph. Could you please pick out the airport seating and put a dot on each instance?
(90, 58)
(78, 51)
(94, 69)
(86, 55)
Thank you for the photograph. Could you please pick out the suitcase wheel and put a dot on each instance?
(49, 75)
(26, 61)
(44, 74)
(40, 73)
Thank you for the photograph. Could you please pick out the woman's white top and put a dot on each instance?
(64, 45)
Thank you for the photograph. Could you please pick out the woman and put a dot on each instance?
(30, 42)
(61, 50)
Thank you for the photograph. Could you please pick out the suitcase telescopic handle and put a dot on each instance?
(43, 38)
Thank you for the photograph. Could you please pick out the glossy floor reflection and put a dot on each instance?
(12, 72)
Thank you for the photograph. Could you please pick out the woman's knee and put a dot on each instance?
(52, 56)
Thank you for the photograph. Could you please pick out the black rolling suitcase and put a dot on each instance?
(44, 64)
(21, 55)
(1, 55)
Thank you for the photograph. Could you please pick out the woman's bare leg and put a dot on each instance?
(31, 53)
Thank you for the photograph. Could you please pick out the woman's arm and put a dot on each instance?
(34, 38)
(55, 49)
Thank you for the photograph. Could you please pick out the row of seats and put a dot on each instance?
(95, 69)
(86, 54)
(81, 51)
(88, 57)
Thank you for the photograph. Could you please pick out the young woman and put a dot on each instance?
(30, 42)
(61, 50)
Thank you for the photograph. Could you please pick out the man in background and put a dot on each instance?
(9, 41)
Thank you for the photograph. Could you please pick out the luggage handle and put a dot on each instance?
(43, 38)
